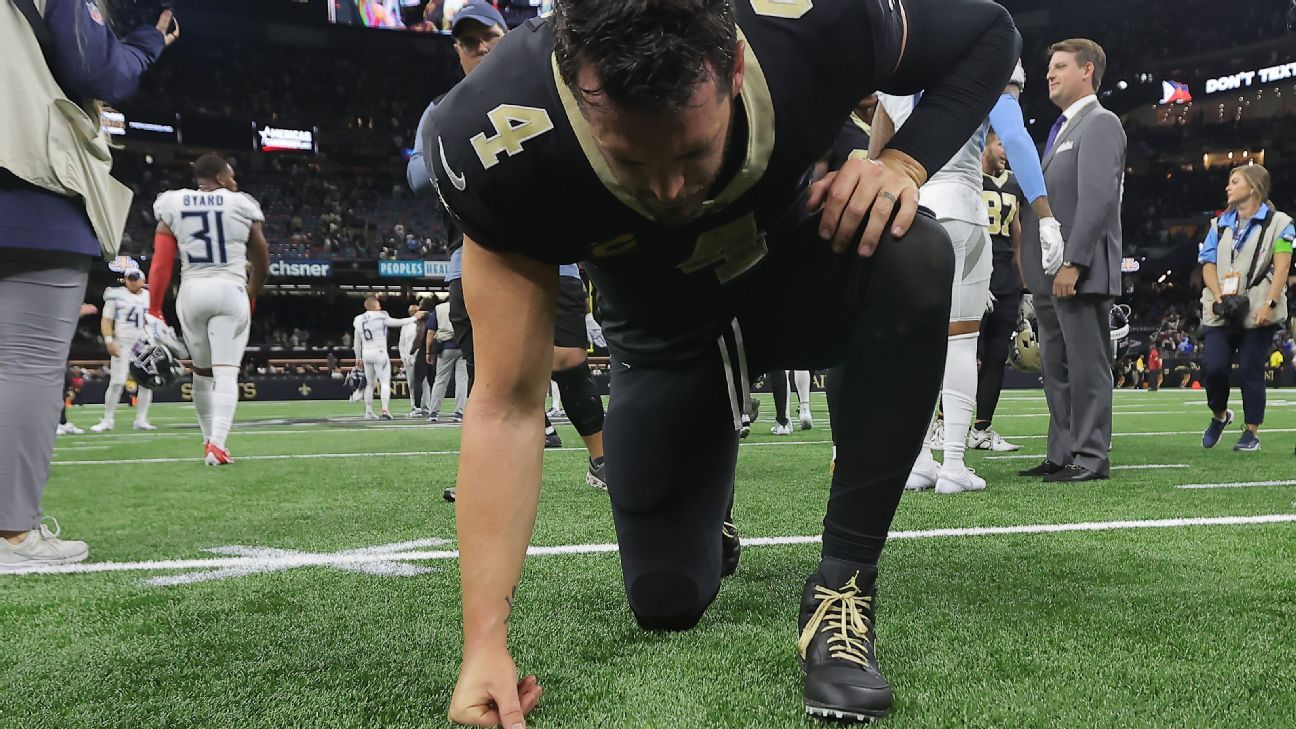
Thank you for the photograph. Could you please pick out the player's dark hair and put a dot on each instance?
(209, 166)
(649, 55)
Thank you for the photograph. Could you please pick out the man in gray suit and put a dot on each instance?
(1075, 287)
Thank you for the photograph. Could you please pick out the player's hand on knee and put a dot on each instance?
(864, 189)
(113, 349)
(489, 692)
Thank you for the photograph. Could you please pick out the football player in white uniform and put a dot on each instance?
(122, 326)
(406, 346)
(954, 194)
(370, 342)
(218, 231)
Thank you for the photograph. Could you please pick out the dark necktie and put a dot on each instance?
(1053, 134)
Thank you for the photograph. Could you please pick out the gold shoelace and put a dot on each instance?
(841, 613)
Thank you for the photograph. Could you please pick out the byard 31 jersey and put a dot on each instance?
(127, 311)
(211, 230)
(515, 162)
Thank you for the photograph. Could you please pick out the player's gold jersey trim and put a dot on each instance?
(756, 102)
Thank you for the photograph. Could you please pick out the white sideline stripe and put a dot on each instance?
(372, 454)
(355, 560)
(1114, 412)
(1135, 467)
(1238, 485)
(1129, 435)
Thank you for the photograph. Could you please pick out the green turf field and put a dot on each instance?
(313, 584)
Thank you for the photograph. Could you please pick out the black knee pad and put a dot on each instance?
(580, 398)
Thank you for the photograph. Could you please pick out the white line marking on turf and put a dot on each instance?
(1158, 433)
(1237, 485)
(1136, 467)
(373, 454)
(355, 558)
(260, 560)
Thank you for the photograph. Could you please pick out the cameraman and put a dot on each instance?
(60, 209)
(1246, 259)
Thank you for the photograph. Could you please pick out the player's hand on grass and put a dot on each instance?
(865, 189)
(489, 692)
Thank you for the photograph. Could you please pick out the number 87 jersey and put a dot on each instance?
(211, 229)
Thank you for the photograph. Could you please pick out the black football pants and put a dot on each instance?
(671, 434)
(997, 330)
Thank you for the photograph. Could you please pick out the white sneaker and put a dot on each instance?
(68, 428)
(955, 482)
(143, 425)
(807, 421)
(989, 440)
(935, 439)
(556, 413)
(416, 413)
(370, 415)
(784, 429)
(41, 548)
(102, 426)
(923, 477)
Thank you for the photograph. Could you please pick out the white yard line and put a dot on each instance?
(356, 558)
(1131, 435)
(372, 454)
(1135, 467)
(1235, 485)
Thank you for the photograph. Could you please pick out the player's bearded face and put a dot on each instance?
(669, 161)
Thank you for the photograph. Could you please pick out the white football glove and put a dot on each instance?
(1026, 310)
(990, 302)
(1051, 244)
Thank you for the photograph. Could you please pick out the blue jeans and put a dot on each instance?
(1251, 348)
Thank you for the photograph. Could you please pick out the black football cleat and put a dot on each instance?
(552, 440)
(730, 549)
(838, 644)
(448, 495)
(1047, 468)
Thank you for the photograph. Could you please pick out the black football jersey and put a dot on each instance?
(1003, 198)
(851, 141)
(515, 162)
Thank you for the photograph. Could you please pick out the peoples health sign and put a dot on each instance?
(413, 269)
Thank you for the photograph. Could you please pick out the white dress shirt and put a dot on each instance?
(1074, 109)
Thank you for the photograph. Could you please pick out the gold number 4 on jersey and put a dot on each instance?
(736, 246)
(513, 126)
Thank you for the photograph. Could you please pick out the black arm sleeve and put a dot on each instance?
(960, 54)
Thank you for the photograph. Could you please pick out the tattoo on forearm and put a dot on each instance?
(509, 600)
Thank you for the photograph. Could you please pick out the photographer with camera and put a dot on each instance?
(1245, 263)
(60, 209)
